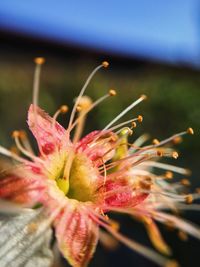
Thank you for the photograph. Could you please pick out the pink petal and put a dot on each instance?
(77, 235)
(47, 136)
(122, 194)
(21, 188)
(97, 152)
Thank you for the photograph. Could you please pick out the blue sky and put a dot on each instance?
(161, 30)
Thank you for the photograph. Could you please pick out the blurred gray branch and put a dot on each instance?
(25, 239)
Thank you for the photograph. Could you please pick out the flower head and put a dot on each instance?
(80, 181)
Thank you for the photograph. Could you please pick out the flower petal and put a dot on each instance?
(97, 149)
(47, 134)
(120, 194)
(77, 234)
(22, 187)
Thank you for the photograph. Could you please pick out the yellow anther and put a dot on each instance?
(190, 131)
(182, 235)
(133, 124)
(175, 155)
(185, 182)
(39, 60)
(168, 175)
(15, 134)
(189, 199)
(155, 141)
(112, 92)
(144, 97)
(85, 102)
(105, 64)
(140, 118)
(64, 109)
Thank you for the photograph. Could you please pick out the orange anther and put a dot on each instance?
(190, 131)
(39, 60)
(64, 109)
(140, 118)
(105, 64)
(15, 134)
(189, 199)
(112, 92)
(175, 155)
(155, 141)
(168, 175)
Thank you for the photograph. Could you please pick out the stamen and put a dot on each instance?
(166, 167)
(96, 103)
(173, 137)
(105, 173)
(142, 97)
(175, 155)
(177, 140)
(12, 155)
(132, 121)
(140, 118)
(85, 103)
(138, 142)
(25, 141)
(133, 124)
(112, 92)
(16, 136)
(62, 110)
(190, 131)
(155, 142)
(39, 61)
(104, 64)
(125, 131)
(169, 175)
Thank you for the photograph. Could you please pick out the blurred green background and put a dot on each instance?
(172, 106)
(173, 102)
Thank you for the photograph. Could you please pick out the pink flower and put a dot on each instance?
(79, 181)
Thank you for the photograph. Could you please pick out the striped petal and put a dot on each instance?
(22, 187)
(77, 234)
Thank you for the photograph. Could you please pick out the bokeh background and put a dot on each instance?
(153, 48)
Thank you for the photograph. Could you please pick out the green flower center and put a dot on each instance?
(82, 182)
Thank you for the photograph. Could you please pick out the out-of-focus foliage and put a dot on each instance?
(173, 96)
(173, 105)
